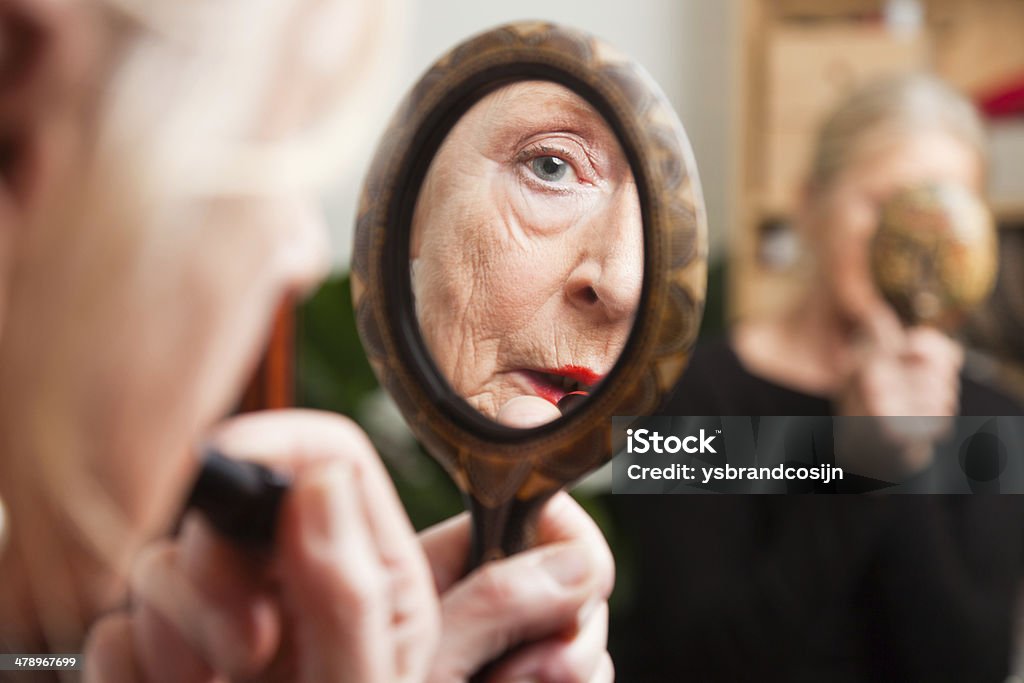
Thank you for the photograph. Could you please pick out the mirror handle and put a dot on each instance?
(503, 530)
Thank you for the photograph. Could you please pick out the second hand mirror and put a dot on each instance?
(530, 261)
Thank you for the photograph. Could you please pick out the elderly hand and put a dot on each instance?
(347, 594)
(900, 373)
(546, 605)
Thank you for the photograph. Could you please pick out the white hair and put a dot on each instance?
(211, 72)
(898, 106)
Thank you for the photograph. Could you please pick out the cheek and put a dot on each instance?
(234, 289)
(530, 266)
(847, 267)
(461, 276)
(546, 213)
(492, 250)
(482, 277)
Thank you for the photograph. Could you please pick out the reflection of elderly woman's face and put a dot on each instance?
(527, 248)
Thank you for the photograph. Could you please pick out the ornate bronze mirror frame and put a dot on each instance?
(507, 473)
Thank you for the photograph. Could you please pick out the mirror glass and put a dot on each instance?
(530, 260)
(526, 258)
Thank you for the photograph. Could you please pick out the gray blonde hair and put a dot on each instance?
(893, 106)
(211, 77)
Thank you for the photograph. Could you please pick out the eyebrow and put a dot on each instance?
(559, 108)
(555, 110)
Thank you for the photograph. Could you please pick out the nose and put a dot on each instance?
(607, 278)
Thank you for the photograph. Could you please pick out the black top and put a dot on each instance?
(716, 383)
(813, 588)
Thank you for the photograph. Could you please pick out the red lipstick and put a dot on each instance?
(584, 376)
(553, 384)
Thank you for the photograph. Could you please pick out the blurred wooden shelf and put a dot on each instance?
(797, 59)
(1010, 214)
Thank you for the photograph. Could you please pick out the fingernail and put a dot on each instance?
(568, 565)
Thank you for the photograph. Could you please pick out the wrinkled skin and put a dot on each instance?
(130, 319)
(130, 316)
(527, 247)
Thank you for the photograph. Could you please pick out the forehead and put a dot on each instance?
(526, 97)
(531, 104)
(893, 161)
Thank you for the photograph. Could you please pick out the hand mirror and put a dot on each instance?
(530, 260)
(935, 255)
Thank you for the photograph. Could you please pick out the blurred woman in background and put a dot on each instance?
(156, 204)
(841, 349)
(909, 588)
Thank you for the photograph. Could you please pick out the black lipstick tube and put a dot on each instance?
(240, 500)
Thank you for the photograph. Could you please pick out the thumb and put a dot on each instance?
(883, 330)
(109, 652)
(520, 599)
(524, 412)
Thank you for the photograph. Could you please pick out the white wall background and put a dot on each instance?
(688, 46)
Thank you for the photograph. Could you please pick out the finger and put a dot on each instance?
(561, 660)
(524, 412)
(605, 670)
(415, 611)
(303, 438)
(561, 519)
(883, 331)
(928, 345)
(291, 439)
(874, 341)
(240, 620)
(171, 643)
(526, 597)
(354, 538)
(109, 654)
(363, 614)
(877, 388)
(331, 580)
(446, 546)
(166, 655)
(933, 394)
(931, 381)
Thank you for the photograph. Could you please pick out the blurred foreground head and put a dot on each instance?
(160, 162)
(891, 135)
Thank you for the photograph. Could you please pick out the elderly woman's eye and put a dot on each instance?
(551, 169)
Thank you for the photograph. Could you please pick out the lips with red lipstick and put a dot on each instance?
(553, 384)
